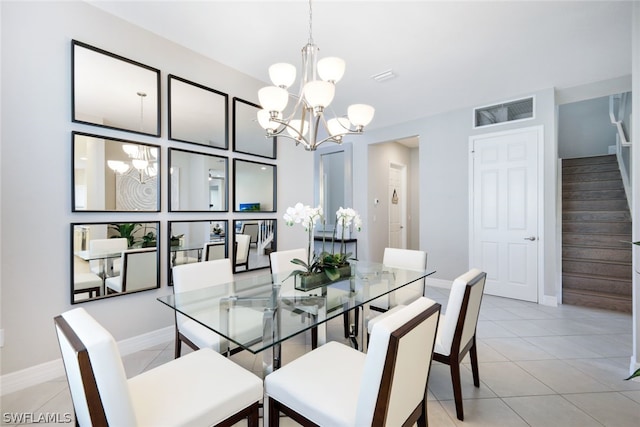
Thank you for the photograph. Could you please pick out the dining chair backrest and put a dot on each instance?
(198, 275)
(96, 376)
(212, 251)
(139, 269)
(242, 249)
(397, 365)
(463, 309)
(407, 259)
(280, 261)
(251, 229)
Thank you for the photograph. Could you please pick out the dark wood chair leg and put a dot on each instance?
(178, 347)
(254, 417)
(422, 420)
(457, 388)
(473, 355)
(274, 413)
(314, 337)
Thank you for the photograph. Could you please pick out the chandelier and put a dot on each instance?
(144, 159)
(317, 89)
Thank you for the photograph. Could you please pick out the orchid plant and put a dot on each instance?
(325, 262)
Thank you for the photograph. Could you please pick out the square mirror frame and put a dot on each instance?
(110, 91)
(90, 269)
(248, 190)
(197, 114)
(248, 135)
(262, 241)
(130, 190)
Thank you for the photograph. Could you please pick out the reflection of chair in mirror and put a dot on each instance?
(139, 271)
(99, 247)
(346, 387)
(179, 392)
(191, 277)
(251, 228)
(88, 283)
(457, 331)
(243, 242)
(212, 251)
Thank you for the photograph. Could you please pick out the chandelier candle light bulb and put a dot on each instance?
(317, 90)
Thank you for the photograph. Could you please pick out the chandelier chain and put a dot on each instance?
(310, 23)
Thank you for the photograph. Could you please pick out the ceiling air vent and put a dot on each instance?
(521, 109)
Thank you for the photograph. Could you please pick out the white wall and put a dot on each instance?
(36, 170)
(444, 180)
(584, 128)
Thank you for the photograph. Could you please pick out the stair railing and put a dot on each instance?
(617, 111)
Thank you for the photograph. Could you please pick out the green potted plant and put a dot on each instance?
(126, 230)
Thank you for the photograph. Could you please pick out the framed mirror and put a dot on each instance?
(196, 241)
(254, 186)
(248, 135)
(197, 114)
(333, 182)
(114, 175)
(111, 91)
(111, 259)
(197, 182)
(254, 240)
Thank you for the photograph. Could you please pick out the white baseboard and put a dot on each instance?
(549, 300)
(19, 380)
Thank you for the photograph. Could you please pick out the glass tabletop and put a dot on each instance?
(259, 312)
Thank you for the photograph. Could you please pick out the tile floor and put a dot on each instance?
(539, 366)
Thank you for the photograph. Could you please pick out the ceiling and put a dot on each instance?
(445, 54)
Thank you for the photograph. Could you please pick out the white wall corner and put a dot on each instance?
(48, 371)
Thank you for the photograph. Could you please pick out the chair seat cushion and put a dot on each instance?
(82, 281)
(199, 389)
(304, 388)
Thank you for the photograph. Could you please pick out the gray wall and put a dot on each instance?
(584, 128)
(36, 170)
(444, 182)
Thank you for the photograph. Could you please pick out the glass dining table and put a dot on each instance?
(260, 312)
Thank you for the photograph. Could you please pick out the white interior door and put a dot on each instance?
(504, 211)
(397, 206)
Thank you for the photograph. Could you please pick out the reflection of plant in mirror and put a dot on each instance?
(149, 240)
(126, 230)
(175, 240)
(217, 229)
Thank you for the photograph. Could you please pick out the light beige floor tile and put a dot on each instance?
(492, 329)
(438, 416)
(609, 371)
(484, 413)
(634, 395)
(516, 348)
(509, 379)
(546, 411)
(561, 348)
(32, 398)
(562, 377)
(485, 354)
(611, 409)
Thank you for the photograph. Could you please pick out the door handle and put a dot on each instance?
(532, 238)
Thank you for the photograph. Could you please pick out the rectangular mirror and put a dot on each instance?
(197, 114)
(196, 241)
(114, 92)
(332, 184)
(248, 135)
(197, 182)
(254, 240)
(254, 186)
(110, 259)
(114, 175)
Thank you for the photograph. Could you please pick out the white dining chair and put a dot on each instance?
(182, 392)
(139, 271)
(387, 386)
(209, 274)
(407, 259)
(243, 242)
(457, 331)
(106, 267)
(212, 251)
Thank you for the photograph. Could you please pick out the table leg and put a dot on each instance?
(271, 357)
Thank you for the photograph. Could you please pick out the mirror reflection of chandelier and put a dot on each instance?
(144, 159)
(317, 89)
